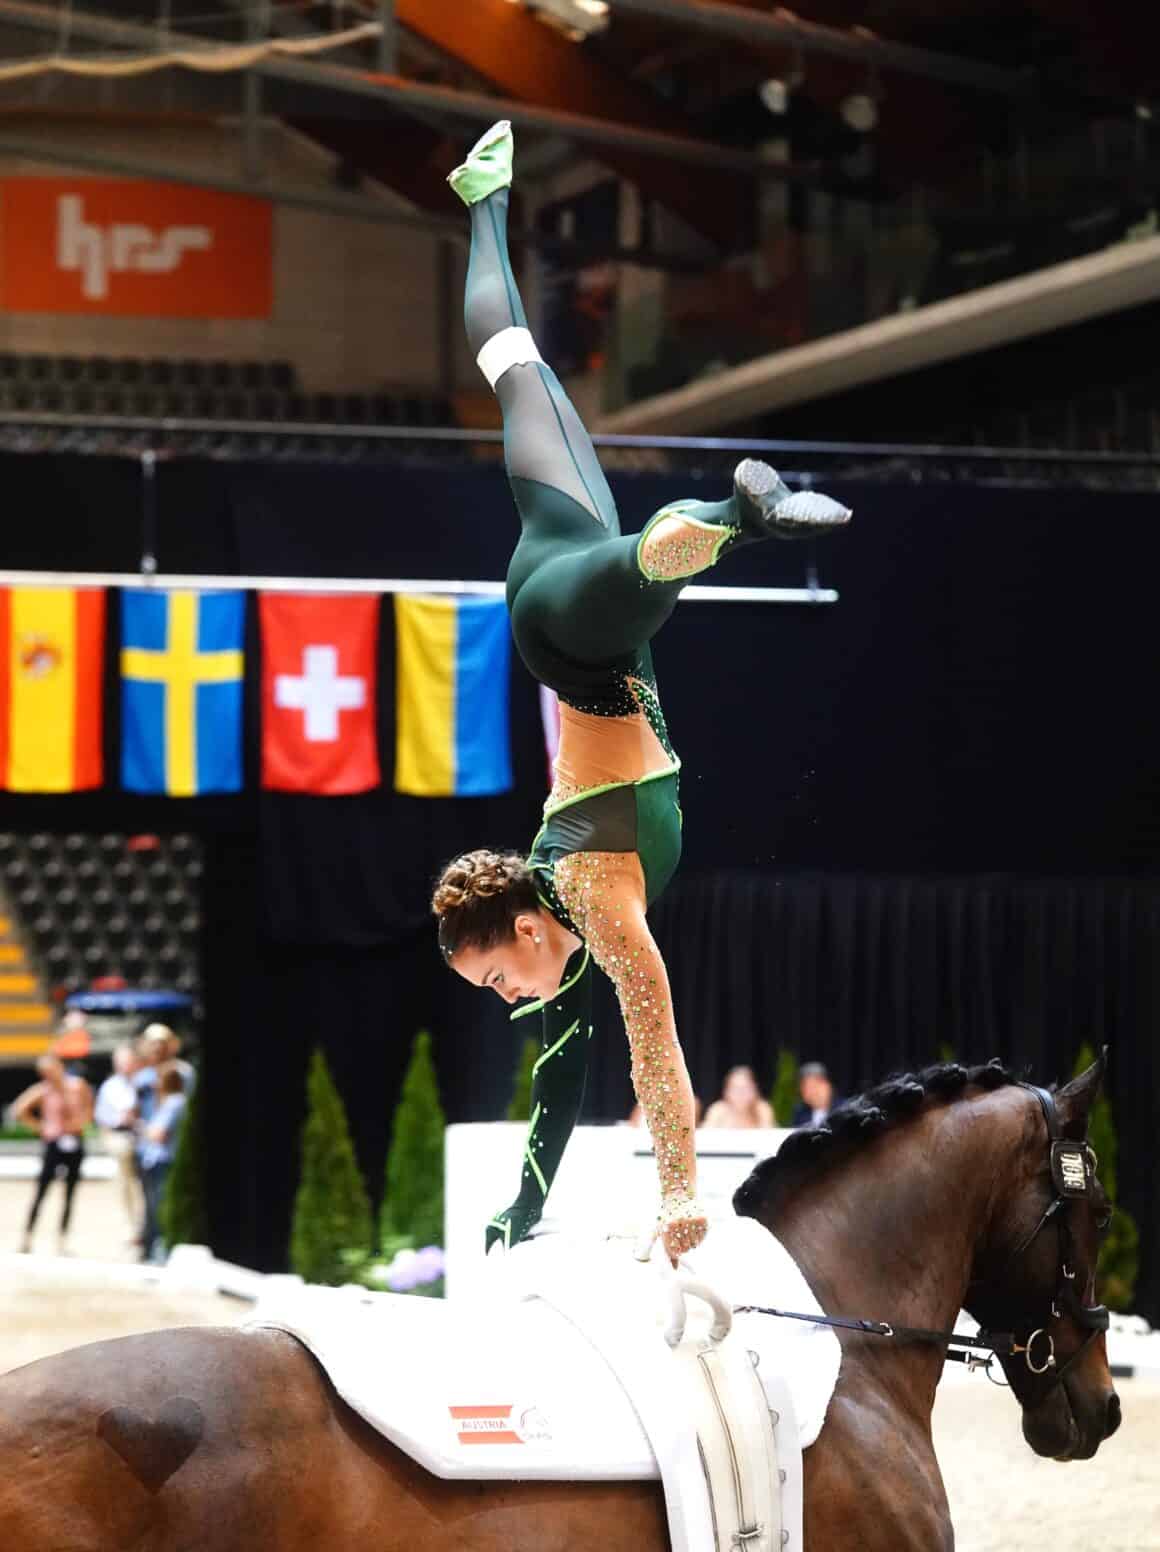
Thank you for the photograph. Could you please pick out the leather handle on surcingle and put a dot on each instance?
(681, 1288)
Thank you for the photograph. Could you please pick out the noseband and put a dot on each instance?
(1073, 1169)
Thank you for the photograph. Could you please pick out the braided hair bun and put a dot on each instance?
(478, 897)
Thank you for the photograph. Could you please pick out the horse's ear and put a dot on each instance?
(1075, 1100)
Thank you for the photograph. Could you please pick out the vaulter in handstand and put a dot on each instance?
(585, 602)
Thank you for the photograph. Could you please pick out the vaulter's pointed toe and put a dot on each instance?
(767, 508)
(809, 514)
(487, 167)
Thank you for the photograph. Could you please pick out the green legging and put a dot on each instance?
(582, 611)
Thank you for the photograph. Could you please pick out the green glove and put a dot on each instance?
(558, 1081)
(511, 1225)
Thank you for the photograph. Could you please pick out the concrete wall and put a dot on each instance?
(355, 303)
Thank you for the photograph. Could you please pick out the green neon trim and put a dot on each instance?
(543, 1184)
(552, 1049)
(505, 1228)
(726, 533)
(609, 786)
(537, 1007)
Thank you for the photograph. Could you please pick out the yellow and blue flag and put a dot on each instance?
(452, 672)
(181, 692)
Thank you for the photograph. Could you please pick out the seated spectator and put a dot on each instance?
(157, 1148)
(741, 1104)
(116, 1114)
(817, 1095)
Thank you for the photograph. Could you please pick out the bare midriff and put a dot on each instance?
(599, 751)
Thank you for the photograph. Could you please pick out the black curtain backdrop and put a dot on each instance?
(925, 816)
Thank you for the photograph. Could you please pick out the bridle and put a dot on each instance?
(1073, 1169)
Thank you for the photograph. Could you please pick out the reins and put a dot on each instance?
(1072, 1173)
(1000, 1343)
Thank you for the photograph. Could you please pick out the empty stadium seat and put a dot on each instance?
(87, 906)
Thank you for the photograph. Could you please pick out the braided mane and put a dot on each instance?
(814, 1148)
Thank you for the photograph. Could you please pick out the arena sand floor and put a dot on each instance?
(1003, 1499)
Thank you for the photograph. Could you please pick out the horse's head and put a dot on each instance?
(1036, 1275)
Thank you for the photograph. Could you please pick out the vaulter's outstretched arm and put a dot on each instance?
(604, 893)
(558, 1082)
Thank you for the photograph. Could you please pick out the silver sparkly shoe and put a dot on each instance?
(767, 508)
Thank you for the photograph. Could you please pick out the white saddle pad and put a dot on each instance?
(504, 1387)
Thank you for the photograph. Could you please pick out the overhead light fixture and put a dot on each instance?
(774, 95)
(860, 111)
(579, 19)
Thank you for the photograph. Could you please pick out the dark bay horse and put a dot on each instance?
(925, 1194)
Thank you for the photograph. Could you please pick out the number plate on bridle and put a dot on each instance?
(1070, 1168)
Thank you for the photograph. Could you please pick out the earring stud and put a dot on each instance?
(538, 938)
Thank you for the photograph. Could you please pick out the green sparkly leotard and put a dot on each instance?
(585, 602)
(583, 614)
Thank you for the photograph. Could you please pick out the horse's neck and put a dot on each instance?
(891, 1232)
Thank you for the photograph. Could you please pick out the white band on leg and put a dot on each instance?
(508, 348)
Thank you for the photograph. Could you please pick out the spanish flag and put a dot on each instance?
(52, 641)
(452, 667)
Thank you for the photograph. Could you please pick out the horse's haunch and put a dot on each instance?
(153, 1448)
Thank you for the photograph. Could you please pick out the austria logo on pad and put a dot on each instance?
(484, 1425)
(516, 1424)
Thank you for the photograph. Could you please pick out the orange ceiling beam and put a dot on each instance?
(535, 64)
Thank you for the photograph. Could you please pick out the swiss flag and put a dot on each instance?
(319, 683)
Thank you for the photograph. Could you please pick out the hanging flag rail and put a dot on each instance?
(810, 594)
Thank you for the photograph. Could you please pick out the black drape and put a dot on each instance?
(927, 815)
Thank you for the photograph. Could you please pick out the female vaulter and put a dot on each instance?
(585, 602)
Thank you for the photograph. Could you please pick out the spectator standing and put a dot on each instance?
(186, 1069)
(61, 1107)
(116, 1113)
(817, 1095)
(152, 1056)
(741, 1104)
(157, 1148)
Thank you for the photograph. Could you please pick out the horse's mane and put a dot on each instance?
(806, 1153)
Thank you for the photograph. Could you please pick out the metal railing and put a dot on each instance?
(804, 460)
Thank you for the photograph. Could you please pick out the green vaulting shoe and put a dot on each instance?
(488, 166)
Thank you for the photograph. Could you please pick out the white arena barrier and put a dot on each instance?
(607, 1182)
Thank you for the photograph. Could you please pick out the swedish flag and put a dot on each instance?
(181, 692)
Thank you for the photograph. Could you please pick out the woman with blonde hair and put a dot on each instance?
(585, 602)
(741, 1104)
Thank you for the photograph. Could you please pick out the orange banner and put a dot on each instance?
(133, 249)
